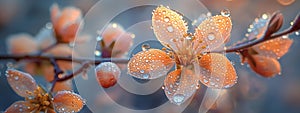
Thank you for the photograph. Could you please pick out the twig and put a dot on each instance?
(96, 61)
(46, 49)
(57, 71)
(71, 75)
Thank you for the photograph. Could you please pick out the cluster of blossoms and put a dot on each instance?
(194, 56)
(37, 99)
(52, 40)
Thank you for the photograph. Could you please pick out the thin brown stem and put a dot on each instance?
(46, 49)
(57, 72)
(71, 75)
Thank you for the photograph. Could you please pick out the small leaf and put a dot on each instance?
(20, 107)
(67, 101)
(265, 66)
(20, 82)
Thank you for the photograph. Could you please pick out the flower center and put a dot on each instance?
(39, 99)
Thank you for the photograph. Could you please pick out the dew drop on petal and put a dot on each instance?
(225, 12)
(146, 76)
(178, 99)
(170, 29)
(99, 38)
(211, 36)
(145, 47)
(166, 19)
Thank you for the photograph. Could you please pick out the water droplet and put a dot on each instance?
(205, 81)
(170, 28)
(97, 53)
(48, 25)
(99, 38)
(142, 71)
(211, 36)
(145, 47)
(178, 98)
(10, 65)
(297, 33)
(166, 19)
(264, 16)
(145, 76)
(163, 87)
(16, 77)
(225, 12)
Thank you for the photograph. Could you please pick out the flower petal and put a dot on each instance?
(217, 71)
(264, 66)
(55, 12)
(68, 16)
(107, 74)
(111, 33)
(21, 44)
(67, 101)
(63, 86)
(69, 32)
(150, 64)
(274, 48)
(180, 85)
(168, 26)
(20, 82)
(20, 107)
(122, 45)
(214, 31)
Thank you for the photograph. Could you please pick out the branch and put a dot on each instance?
(46, 49)
(57, 72)
(96, 61)
(71, 75)
(273, 26)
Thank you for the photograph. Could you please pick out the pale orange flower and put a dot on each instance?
(21, 44)
(189, 52)
(65, 22)
(121, 40)
(264, 56)
(37, 99)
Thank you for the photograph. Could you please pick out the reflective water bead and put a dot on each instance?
(225, 12)
(145, 47)
(170, 29)
(211, 36)
(166, 19)
(178, 98)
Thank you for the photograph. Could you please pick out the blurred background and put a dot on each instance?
(252, 93)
